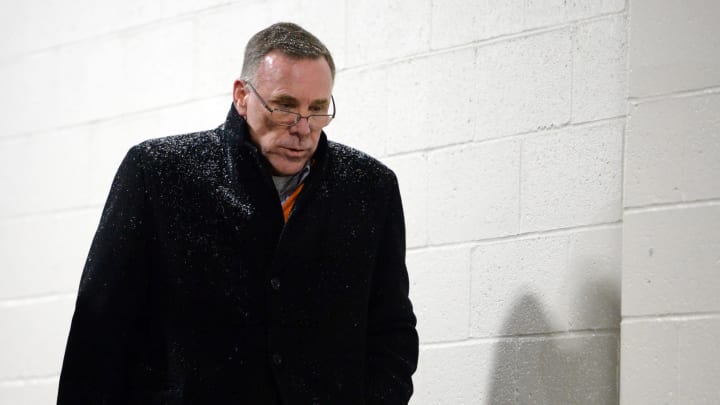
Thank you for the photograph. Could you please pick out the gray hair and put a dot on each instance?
(291, 39)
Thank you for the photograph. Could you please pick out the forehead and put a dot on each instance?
(297, 77)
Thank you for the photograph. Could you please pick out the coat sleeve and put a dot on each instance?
(392, 351)
(112, 288)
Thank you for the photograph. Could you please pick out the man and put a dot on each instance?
(256, 263)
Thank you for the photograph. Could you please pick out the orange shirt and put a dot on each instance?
(288, 205)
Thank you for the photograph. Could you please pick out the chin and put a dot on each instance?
(287, 170)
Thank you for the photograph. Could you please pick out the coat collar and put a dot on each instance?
(235, 134)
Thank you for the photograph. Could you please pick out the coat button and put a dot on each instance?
(277, 359)
(275, 283)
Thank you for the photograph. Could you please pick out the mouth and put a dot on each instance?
(294, 152)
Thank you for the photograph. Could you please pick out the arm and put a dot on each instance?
(112, 286)
(392, 351)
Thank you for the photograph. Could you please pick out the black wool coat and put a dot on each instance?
(195, 290)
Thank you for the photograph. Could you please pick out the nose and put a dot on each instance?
(302, 127)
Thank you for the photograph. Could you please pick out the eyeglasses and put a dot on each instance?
(290, 118)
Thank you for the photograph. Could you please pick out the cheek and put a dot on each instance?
(271, 140)
(266, 135)
(267, 123)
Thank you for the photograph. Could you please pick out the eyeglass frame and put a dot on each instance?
(297, 115)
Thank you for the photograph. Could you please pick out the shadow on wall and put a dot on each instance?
(564, 368)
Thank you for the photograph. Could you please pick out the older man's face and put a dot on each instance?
(299, 85)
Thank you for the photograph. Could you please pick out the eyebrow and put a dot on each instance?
(290, 100)
(284, 99)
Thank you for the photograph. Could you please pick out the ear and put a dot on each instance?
(240, 95)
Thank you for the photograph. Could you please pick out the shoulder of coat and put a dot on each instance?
(178, 146)
(352, 163)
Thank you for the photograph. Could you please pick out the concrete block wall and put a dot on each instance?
(504, 121)
(506, 132)
(671, 206)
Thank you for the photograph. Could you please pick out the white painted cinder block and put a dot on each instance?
(674, 46)
(24, 26)
(670, 361)
(673, 151)
(594, 278)
(440, 292)
(474, 192)
(670, 261)
(457, 22)
(388, 30)
(432, 101)
(111, 139)
(699, 371)
(463, 374)
(412, 174)
(40, 392)
(523, 84)
(34, 335)
(63, 238)
(649, 363)
(600, 69)
(75, 166)
(572, 177)
(519, 287)
(136, 71)
(581, 9)
(547, 284)
(579, 369)
(220, 39)
(36, 24)
(31, 93)
(157, 70)
(568, 369)
(362, 113)
(44, 172)
(326, 19)
(106, 77)
(93, 83)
